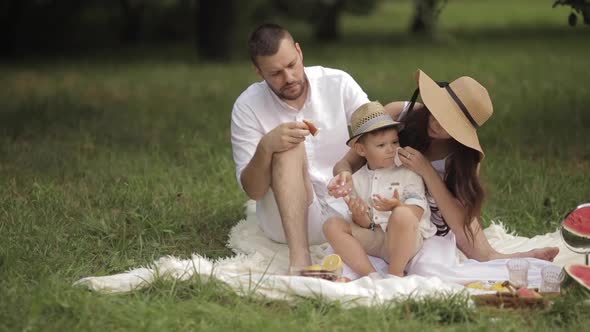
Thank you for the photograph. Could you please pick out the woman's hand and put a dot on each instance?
(340, 185)
(414, 160)
(386, 204)
(359, 210)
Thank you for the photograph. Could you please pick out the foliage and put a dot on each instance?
(324, 15)
(578, 6)
(426, 15)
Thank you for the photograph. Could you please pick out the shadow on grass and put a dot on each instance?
(42, 117)
(63, 117)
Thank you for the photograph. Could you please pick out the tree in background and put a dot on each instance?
(324, 15)
(222, 27)
(218, 28)
(215, 25)
(426, 14)
(35, 24)
(132, 12)
(10, 13)
(578, 6)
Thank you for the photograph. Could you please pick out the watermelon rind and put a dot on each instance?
(574, 281)
(575, 240)
(574, 229)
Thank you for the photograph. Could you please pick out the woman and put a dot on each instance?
(442, 146)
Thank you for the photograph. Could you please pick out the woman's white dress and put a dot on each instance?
(440, 257)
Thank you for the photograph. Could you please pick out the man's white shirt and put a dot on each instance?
(332, 98)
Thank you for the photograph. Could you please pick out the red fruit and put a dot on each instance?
(312, 128)
(527, 293)
(576, 228)
(577, 275)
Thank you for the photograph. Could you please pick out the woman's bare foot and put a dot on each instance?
(546, 254)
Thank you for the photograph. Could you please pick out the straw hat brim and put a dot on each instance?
(378, 125)
(446, 111)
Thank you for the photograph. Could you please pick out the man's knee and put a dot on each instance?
(288, 157)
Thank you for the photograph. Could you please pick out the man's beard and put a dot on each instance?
(284, 95)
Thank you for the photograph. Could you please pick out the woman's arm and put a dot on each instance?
(453, 212)
(451, 208)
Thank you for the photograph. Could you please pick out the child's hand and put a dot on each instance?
(340, 185)
(359, 210)
(386, 204)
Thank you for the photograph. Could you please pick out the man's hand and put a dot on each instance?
(340, 185)
(359, 210)
(284, 137)
(386, 204)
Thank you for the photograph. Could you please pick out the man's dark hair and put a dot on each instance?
(265, 40)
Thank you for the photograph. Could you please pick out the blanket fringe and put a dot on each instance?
(260, 267)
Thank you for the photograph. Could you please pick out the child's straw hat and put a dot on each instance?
(368, 117)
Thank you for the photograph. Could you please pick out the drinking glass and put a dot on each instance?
(551, 277)
(518, 272)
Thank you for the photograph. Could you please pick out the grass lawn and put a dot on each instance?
(108, 162)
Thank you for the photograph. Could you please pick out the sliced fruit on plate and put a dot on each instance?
(527, 293)
(332, 262)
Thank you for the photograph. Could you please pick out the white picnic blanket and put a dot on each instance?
(260, 267)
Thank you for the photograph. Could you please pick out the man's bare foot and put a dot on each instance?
(546, 254)
(295, 269)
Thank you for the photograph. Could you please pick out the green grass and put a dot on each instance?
(112, 160)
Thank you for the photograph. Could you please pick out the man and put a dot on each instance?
(278, 163)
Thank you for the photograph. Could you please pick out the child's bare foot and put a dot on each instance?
(546, 254)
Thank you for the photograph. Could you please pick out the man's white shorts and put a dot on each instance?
(319, 211)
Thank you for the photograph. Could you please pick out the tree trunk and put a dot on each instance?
(133, 18)
(216, 24)
(10, 14)
(327, 21)
(425, 17)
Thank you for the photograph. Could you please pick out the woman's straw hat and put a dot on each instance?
(368, 117)
(460, 107)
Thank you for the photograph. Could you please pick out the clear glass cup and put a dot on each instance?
(518, 272)
(551, 278)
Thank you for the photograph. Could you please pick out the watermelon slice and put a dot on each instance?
(527, 293)
(313, 130)
(577, 275)
(575, 229)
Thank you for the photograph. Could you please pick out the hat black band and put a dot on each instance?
(453, 95)
(461, 106)
(413, 100)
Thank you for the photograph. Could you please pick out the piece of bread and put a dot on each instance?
(312, 127)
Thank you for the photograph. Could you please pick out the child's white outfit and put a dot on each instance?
(384, 182)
